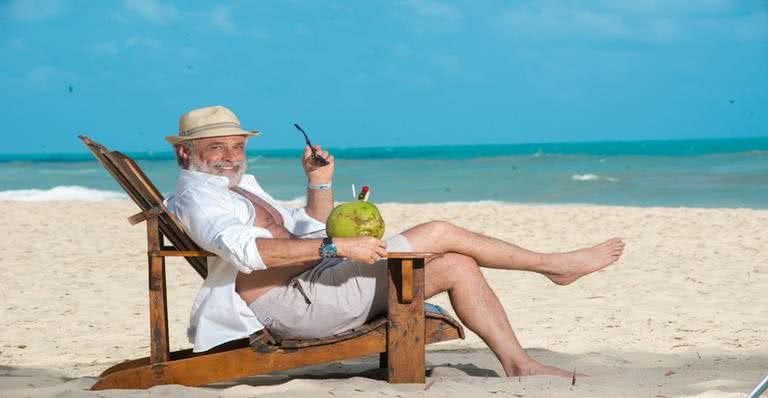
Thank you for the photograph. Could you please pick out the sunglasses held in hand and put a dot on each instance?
(316, 159)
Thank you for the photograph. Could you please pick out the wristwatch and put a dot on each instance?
(327, 249)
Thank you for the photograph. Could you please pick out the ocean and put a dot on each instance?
(685, 173)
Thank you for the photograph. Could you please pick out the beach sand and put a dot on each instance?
(683, 313)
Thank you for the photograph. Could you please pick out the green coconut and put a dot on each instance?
(358, 218)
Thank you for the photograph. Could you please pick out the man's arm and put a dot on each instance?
(290, 252)
(319, 201)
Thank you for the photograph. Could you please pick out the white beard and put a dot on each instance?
(215, 168)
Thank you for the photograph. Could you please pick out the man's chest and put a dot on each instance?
(262, 213)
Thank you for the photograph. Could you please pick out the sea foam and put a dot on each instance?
(72, 192)
(592, 177)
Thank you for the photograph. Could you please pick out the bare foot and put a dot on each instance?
(536, 368)
(567, 267)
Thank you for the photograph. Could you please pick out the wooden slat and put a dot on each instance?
(211, 368)
(406, 277)
(438, 328)
(359, 331)
(442, 328)
(182, 253)
(156, 192)
(177, 355)
(406, 333)
(143, 215)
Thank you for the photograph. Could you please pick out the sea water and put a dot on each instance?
(689, 173)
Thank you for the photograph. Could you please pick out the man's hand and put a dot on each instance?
(363, 248)
(317, 174)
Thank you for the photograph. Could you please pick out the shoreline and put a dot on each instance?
(709, 146)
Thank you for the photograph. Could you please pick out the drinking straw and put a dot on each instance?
(759, 388)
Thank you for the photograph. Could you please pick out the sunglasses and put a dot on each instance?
(315, 157)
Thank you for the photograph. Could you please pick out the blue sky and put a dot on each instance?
(383, 73)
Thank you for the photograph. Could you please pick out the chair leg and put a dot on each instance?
(158, 301)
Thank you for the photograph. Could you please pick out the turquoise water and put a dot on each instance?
(692, 173)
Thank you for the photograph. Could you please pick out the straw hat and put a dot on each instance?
(211, 121)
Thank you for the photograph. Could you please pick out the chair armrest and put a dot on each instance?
(406, 333)
(404, 276)
(182, 253)
(170, 251)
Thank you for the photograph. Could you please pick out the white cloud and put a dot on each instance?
(221, 18)
(34, 10)
(152, 10)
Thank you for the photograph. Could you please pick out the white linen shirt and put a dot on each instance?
(222, 222)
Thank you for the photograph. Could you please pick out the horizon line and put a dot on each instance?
(628, 141)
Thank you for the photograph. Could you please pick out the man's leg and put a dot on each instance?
(561, 268)
(480, 310)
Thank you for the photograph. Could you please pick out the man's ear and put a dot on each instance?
(182, 155)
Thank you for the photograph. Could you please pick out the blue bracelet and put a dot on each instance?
(320, 187)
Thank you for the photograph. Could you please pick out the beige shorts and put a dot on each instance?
(334, 296)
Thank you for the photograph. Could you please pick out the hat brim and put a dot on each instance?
(177, 139)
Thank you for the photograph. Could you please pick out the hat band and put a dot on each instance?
(208, 127)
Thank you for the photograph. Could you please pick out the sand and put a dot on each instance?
(683, 313)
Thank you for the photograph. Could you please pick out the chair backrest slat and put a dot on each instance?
(170, 226)
(138, 186)
(98, 152)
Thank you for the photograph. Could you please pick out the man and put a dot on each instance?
(275, 270)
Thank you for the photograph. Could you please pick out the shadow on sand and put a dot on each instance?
(689, 373)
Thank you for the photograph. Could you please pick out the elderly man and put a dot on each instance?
(276, 269)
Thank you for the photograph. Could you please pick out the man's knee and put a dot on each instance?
(459, 266)
(465, 265)
(445, 272)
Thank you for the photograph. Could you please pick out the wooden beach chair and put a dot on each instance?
(399, 338)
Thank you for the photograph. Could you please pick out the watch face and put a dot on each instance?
(327, 250)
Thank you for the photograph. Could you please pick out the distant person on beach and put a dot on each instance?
(277, 269)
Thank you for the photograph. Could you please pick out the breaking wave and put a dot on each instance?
(71, 192)
(592, 177)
